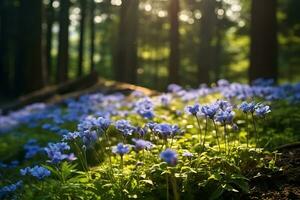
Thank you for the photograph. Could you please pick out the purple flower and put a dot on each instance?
(187, 154)
(124, 127)
(55, 152)
(169, 156)
(89, 137)
(225, 116)
(144, 107)
(166, 130)
(210, 110)
(71, 136)
(102, 123)
(142, 144)
(223, 105)
(174, 88)
(193, 110)
(247, 107)
(121, 149)
(262, 110)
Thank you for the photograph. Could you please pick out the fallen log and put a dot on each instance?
(50, 91)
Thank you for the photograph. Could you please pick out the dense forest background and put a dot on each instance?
(147, 42)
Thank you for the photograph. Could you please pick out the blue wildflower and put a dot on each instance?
(174, 88)
(89, 137)
(247, 107)
(10, 188)
(37, 172)
(262, 110)
(144, 107)
(55, 152)
(121, 149)
(31, 148)
(187, 154)
(225, 116)
(71, 136)
(142, 144)
(169, 156)
(124, 127)
(166, 130)
(210, 110)
(193, 110)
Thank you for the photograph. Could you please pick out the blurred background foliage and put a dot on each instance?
(102, 26)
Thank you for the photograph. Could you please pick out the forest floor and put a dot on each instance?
(284, 184)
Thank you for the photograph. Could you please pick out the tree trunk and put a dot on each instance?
(126, 55)
(63, 39)
(207, 23)
(263, 49)
(50, 20)
(81, 38)
(92, 24)
(174, 59)
(29, 70)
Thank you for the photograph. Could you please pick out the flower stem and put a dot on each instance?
(204, 133)
(217, 136)
(255, 130)
(199, 127)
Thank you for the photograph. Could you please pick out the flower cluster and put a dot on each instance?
(166, 130)
(121, 149)
(169, 156)
(55, 152)
(124, 127)
(36, 171)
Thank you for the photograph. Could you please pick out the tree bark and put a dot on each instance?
(29, 70)
(207, 23)
(63, 46)
(263, 48)
(126, 55)
(81, 37)
(174, 59)
(50, 21)
(92, 25)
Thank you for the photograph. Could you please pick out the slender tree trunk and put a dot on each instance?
(29, 70)
(50, 21)
(81, 39)
(63, 46)
(174, 59)
(263, 49)
(92, 25)
(207, 23)
(126, 55)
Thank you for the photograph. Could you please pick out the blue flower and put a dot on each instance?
(169, 156)
(121, 149)
(166, 130)
(55, 152)
(102, 123)
(225, 116)
(223, 105)
(37, 172)
(247, 107)
(144, 107)
(187, 154)
(124, 127)
(142, 144)
(10, 188)
(210, 110)
(71, 136)
(89, 137)
(193, 110)
(31, 148)
(174, 88)
(141, 131)
(262, 110)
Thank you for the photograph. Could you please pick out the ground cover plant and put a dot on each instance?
(203, 143)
